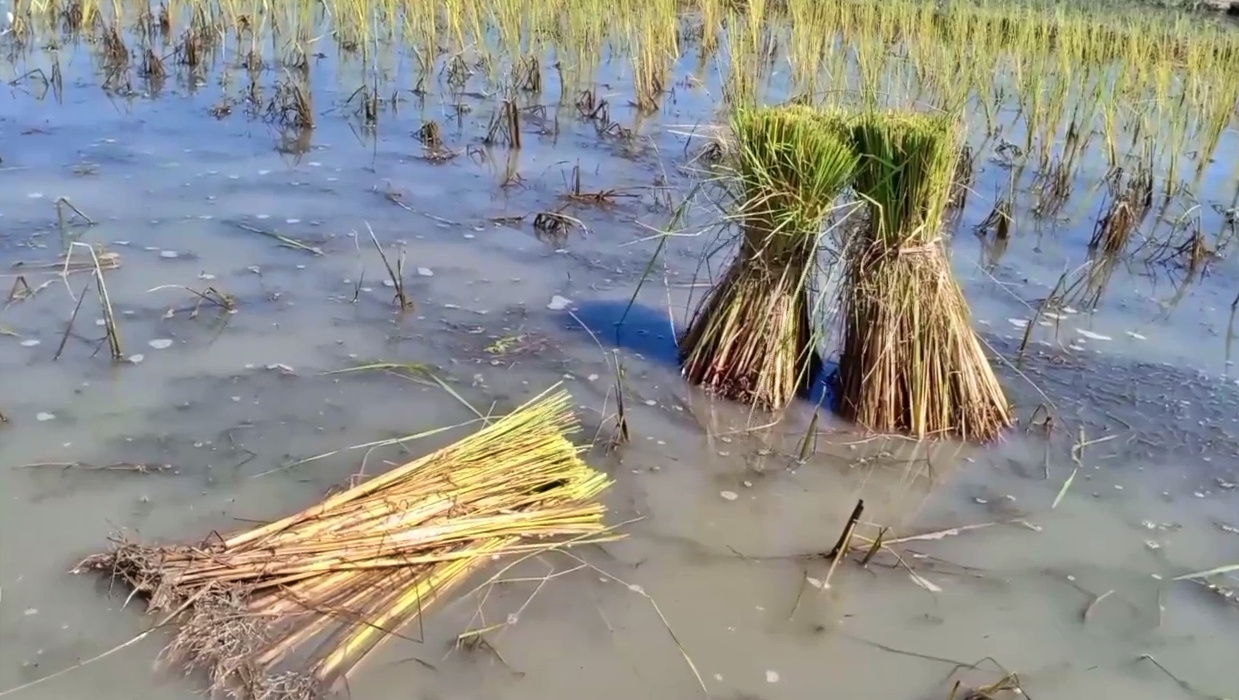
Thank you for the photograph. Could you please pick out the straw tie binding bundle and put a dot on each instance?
(751, 339)
(910, 361)
(927, 248)
(286, 610)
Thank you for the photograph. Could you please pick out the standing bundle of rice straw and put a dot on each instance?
(910, 361)
(286, 610)
(752, 339)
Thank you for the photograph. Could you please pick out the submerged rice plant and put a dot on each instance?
(751, 338)
(910, 360)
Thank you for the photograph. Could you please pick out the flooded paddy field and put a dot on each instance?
(245, 190)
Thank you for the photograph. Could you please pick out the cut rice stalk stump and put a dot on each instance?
(910, 360)
(286, 610)
(752, 339)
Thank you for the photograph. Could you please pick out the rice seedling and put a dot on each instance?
(287, 610)
(743, 75)
(1001, 218)
(965, 169)
(592, 108)
(394, 273)
(505, 126)
(430, 134)
(109, 316)
(72, 16)
(1185, 249)
(1006, 688)
(1132, 73)
(1195, 254)
(1091, 281)
(652, 35)
(577, 194)
(283, 240)
(1052, 301)
(152, 66)
(751, 338)
(992, 250)
(910, 360)
(1115, 227)
(1052, 188)
(64, 337)
(1066, 74)
(210, 296)
(115, 61)
(64, 222)
(191, 51)
(96, 266)
(222, 109)
(619, 435)
(20, 291)
(291, 106)
(456, 73)
(554, 227)
(844, 543)
(1232, 331)
(65, 265)
(368, 104)
(115, 53)
(711, 153)
(527, 75)
(165, 20)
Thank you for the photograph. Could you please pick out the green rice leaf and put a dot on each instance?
(905, 169)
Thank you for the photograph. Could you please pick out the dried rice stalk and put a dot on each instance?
(287, 610)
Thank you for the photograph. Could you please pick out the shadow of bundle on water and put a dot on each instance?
(634, 328)
(647, 331)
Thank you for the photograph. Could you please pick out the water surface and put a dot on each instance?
(718, 568)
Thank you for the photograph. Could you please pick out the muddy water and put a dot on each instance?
(717, 585)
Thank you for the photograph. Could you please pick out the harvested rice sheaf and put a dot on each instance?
(910, 360)
(285, 611)
(752, 338)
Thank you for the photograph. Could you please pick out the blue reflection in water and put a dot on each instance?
(637, 329)
(648, 331)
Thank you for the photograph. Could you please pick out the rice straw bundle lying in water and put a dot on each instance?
(286, 610)
(910, 361)
(752, 339)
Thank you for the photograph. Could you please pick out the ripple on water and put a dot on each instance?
(1172, 415)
